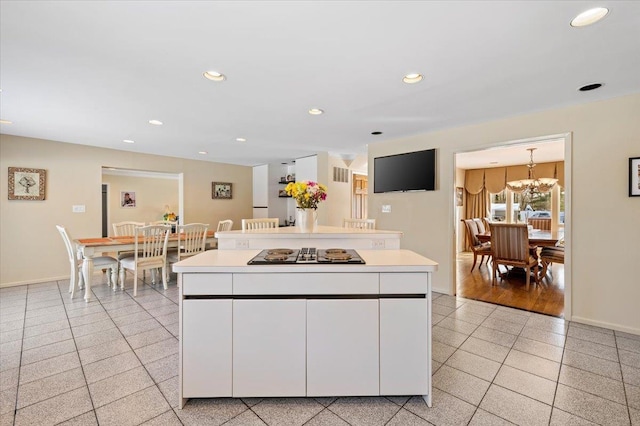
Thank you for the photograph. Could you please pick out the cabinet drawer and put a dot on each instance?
(306, 283)
(403, 283)
(206, 284)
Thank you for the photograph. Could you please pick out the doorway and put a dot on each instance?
(553, 295)
(359, 196)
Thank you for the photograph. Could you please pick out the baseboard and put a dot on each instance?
(36, 281)
(604, 324)
(443, 290)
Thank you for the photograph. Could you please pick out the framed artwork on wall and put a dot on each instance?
(459, 194)
(26, 184)
(127, 199)
(220, 190)
(634, 177)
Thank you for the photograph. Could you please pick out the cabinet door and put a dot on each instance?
(342, 347)
(269, 347)
(206, 348)
(403, 347)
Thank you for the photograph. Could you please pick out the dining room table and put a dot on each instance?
(537, 237)
(92, 247)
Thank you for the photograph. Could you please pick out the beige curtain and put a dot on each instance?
(495, 179)
(560, 173)
(477, 204)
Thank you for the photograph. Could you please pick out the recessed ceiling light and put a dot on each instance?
(376, 133)
(155, 122)
(316, 111)
(412, 78)
(6, 122)
(588, 87)
(241, 140)
(128, 141)
(214, 76)
(202, 152)
(589, 17)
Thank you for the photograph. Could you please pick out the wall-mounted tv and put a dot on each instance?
(411, 171)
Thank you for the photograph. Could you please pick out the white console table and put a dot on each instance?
(321, 237)
(305, 329)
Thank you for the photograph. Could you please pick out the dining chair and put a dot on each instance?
(477, 247)
(549, 255)
(510, 247)
(225, 225)
(126, 229)
(100, 262)
(150, 252)
(191, 241)
(266, 223)
(359, 223)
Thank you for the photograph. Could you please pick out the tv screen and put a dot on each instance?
(411, 171)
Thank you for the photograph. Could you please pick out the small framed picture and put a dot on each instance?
(220, 190)
(26, 184)
(127, 199)
(634, 177)
(459, 194)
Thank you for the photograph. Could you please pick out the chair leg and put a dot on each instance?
(164, 276)
(475, 257)
(528, 276)
(495, 272)
(122, 274)
(135, 282)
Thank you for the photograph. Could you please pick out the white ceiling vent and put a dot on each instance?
(340, 174)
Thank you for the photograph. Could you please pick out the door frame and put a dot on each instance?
(568, 225)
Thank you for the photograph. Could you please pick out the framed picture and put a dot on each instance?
(220, 190)
(26, 184)
(127, 199)
(459, 194)
(634, 177)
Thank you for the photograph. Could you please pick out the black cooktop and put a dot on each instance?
(306, 255)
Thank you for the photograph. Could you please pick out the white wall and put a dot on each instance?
(31, 249)
(605, 222)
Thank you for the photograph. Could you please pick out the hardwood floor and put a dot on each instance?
(545, 298)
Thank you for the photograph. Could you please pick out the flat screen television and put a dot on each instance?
(411, 171)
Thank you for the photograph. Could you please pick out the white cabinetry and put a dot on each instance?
(206, 348)
(268, 347)
(403, 347)
(342, 347)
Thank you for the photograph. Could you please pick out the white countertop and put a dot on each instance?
(318, 232)
(235, 261)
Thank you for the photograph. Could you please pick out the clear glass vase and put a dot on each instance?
(306, 219)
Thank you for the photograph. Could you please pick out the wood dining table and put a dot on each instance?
(92, 247)
(537, 237)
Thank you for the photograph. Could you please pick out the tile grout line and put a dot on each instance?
(624, 388)
(15, 405)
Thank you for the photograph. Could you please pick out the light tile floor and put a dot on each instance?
(114, 361)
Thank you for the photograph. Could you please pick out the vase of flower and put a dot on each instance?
(308, 195)
(306, 219)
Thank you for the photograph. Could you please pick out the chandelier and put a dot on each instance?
(532, 185)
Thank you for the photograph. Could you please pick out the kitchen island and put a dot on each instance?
(305, 329)
(320, 237)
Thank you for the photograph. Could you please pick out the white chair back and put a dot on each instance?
(266, 223)
(123, 229)
(225, 225)
(359, 223)
(191, 239)
(150, 253)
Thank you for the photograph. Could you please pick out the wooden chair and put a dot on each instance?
(191, 241)
(478, 248)
(101, 262)
(121, 229)
(549, 255)
(510, 247)
(150, 252)
(359, 223)
(225, 225)
(266, 223)
(542, 223)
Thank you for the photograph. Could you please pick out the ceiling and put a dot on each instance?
(96, 72)
(545, 152)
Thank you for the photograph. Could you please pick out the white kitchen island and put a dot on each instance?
(305, 329)
(321, 237)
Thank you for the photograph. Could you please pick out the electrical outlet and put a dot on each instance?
(377, 244)
(386, 208)
(242, 244)
(78, 208)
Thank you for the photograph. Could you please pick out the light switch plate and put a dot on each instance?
(386, 208)
(78, 208)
